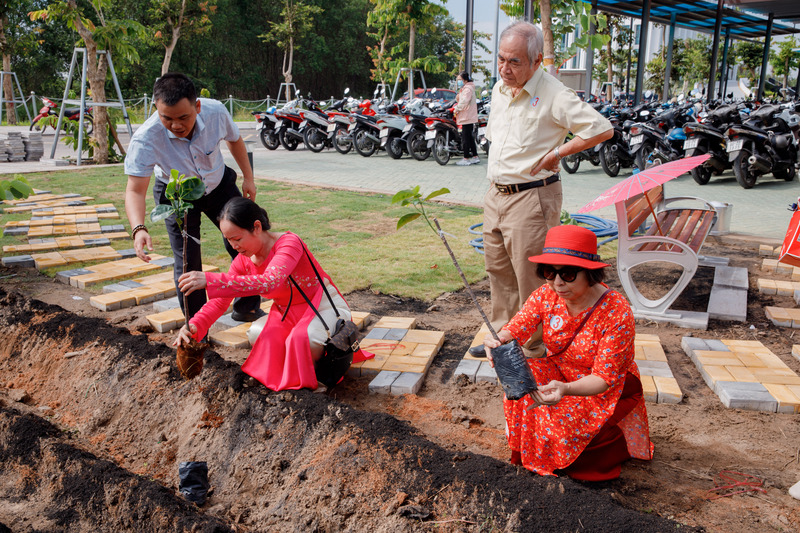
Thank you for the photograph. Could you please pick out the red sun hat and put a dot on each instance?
(570, 245)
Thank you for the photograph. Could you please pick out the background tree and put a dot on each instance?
(612, 59)
(99, 32)
(173, 18)
(785, 59)
(298, 19)
(748, 55)
(17, 37)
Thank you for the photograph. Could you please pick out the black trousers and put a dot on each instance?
(211, 205)
(468, 145)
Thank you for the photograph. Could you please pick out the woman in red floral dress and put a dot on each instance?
(588, 415)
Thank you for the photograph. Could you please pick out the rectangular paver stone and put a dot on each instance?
(377, 333)
(21, 261)
(750, 396)
(468, 368)
(733, 277)
(407, 383)
(486, 373)
(382, 384)
(166, 305)
(395, 334)
(727, 303)
(164, 262)
(654, 368)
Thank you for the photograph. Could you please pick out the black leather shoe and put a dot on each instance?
(252, 316)
(477, 351)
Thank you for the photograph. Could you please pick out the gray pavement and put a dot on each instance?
(760, 211)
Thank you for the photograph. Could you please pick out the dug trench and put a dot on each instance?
(94, 443)
(95, 418)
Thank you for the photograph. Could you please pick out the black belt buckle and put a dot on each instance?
(504, 189)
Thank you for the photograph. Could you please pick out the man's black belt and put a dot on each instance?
(519, 187)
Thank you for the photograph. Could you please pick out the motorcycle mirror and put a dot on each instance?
(347, 90)
(433, 91)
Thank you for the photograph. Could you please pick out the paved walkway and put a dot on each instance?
(758, 211)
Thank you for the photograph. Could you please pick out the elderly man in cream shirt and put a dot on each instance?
(532, 113)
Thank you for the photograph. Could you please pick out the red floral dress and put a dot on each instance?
(550, 438)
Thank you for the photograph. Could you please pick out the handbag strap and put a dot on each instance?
(583, 323)
(308, 301)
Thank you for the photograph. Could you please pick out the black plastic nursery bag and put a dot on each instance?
(513, 371)
(194, 481)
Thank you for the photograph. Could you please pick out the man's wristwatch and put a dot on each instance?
(558, 156)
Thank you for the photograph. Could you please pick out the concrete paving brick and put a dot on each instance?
(382, 384)
(691, 344)
(19, 261)
(654, 368)
(112, 227)
(741, 373)
(371, 367)
(114, 287)
(360, 318)
(425, 337)
(395, 334)
(654, 352)
(784, 288)
(783, 268)
(228, 338)
(720, 360)
(15, 231)
(749, 396)
(425, 350)
(467, 368)
(713, 374)
(164, 262)
(778, 316)
(166, 305)
(649, 389)
(131, 284)
(776, 376)
(765, 249)
(130, 252)
(766, 286)
(795, 316)
(733, 277)
(97, 242)
(407, 383)
(226, 321)
(717, 345)
(796, 351)
(796, 274)
(486, 373)
(726, 303)
(743, 343)
(378, 346)
(769, 265)
(376, 333)
(668, 390)
(788, 401)
(401, 365)
(646, 337)
(404, 348)
(393, 322)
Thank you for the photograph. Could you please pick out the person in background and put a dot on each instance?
(466, 113)
(185, 134)
(293, 338)
(588, 415)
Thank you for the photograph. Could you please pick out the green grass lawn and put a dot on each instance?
(352, 234)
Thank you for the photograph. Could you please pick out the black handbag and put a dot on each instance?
(341, 344)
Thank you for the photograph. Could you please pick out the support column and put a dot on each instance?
(590, 55)
(496, 42)
(797, 86)
(528, 12)
(723, 82)
(712, 77)
(468, 37)
(767, 41)
(643, 37)
(668, 66)
(628, 74)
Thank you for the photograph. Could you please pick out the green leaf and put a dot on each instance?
(402, 195)
(405, 219)
(169, 192)
(192, 188)
(585, 21)
(20, 189)
(160, 212)
(434, 194)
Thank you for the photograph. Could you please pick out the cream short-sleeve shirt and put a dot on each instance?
(525, 128)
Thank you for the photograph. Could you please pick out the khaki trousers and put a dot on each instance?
(514, 228)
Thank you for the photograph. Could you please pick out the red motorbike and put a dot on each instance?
(70, 113)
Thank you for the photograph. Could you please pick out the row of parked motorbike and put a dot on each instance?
(405, 127)
(754, 140)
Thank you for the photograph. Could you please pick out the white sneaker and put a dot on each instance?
(475, 160)
(464, 163)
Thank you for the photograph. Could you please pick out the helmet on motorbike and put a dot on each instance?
(781, 142)
(627, 124)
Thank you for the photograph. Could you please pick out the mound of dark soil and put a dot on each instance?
(121, 419)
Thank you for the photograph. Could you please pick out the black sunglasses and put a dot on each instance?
(567, 274)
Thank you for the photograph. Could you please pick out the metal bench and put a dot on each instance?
(675, 235)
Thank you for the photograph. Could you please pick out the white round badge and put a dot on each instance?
(556, 323)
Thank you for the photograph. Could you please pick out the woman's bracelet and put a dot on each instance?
(136, 229)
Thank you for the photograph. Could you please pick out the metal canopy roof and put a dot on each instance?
(701, 15)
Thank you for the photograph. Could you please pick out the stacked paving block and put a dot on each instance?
(658, 382)
(167, 316)
(403, 355)
(29, 205)
(728, 299)
(138, 291)
(72, 241)
(66, 257)
(33, 144)
(12, 147)
(476, 369)
(110, 271)
(745, 374)
(781, 316)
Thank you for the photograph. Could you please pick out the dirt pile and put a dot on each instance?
(94, 421)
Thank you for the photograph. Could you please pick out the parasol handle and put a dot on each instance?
(655, 218)
(464, 279)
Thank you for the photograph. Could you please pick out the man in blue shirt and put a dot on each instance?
(185, 134)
